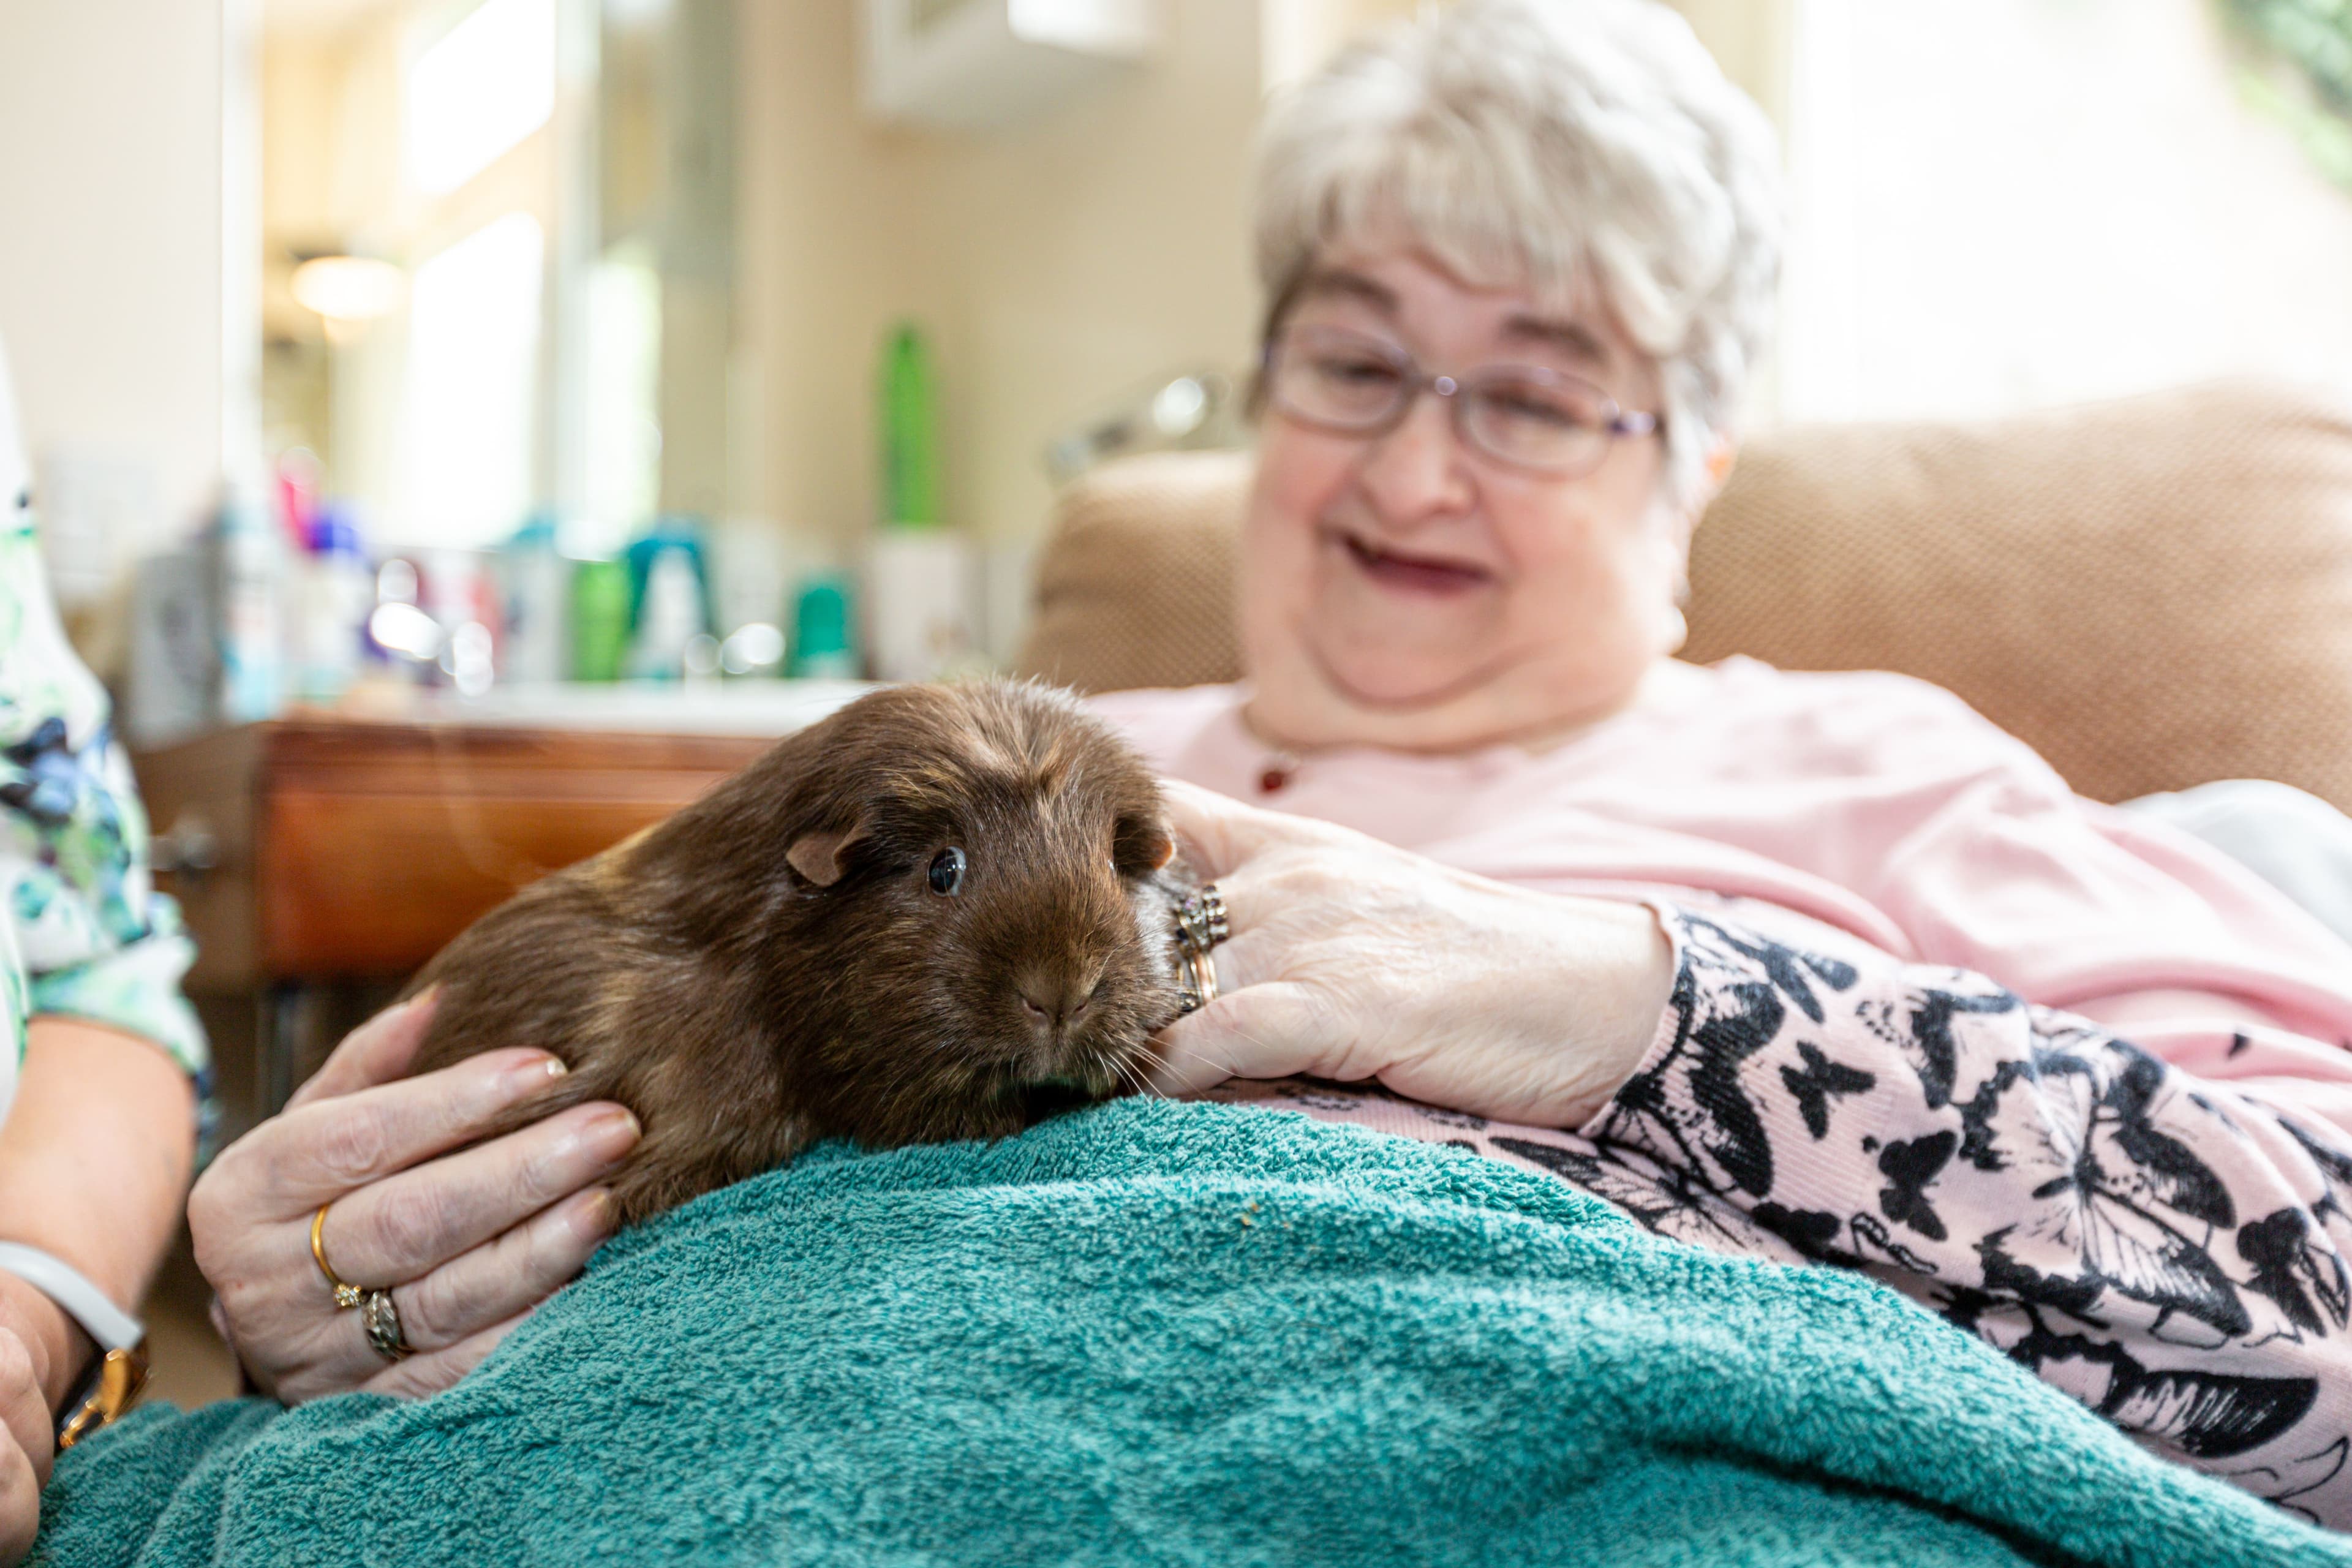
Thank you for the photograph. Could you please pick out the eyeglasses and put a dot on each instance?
(1526, 416)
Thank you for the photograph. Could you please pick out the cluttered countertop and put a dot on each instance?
(761, 709)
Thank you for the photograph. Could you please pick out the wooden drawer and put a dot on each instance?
(353, 850)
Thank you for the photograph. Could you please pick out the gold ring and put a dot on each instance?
(1196, 979)
(346, 1296)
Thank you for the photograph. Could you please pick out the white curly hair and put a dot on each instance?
(1550, 145)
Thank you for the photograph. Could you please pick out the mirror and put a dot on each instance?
(499, 262)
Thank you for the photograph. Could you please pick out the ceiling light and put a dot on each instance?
(349, 288)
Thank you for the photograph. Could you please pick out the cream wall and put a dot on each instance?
(828, 250)
(114, 287)
(1752, 40)
(1295, 36)
(1054, 265)
(1749, 38)
(1076, 260)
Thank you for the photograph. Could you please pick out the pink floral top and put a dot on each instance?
(2070, 1078)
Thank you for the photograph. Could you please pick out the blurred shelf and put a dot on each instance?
(353, 845)
(768, 708)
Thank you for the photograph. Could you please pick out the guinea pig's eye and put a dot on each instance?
(947, 871)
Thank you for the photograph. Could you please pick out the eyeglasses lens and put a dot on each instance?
(1536, 425)
(1345, 382)
(1338, 382)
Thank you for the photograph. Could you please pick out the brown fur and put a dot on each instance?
(771, 967)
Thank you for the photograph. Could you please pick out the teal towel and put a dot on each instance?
(1161, 1333)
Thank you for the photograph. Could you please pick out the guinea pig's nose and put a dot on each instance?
(1056, 999)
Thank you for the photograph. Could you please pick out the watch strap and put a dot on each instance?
(85, 1303)
(111, 1386)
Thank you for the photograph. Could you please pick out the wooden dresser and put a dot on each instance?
(321, 860)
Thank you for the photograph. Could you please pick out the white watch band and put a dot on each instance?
(85, 1303)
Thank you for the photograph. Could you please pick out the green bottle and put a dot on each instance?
(600, 619)
(909, 416)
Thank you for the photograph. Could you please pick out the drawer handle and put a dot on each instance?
(189, 850)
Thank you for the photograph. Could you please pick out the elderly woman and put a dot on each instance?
(1770, 960)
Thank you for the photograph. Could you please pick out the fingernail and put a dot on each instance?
(527, 1076)
(595, 1215)
(610, 1135)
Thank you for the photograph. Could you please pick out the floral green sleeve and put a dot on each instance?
(93, 938)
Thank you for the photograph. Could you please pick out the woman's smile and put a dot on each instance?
(1410, 572)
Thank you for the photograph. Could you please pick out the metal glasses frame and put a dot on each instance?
(1618, 423)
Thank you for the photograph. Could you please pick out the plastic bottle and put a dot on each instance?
(910, 461)
(669, 619)
(921, 609)
(822, 646)
(462, 596)
(669, 534)
(251, 564)
(536, 581)
(600, 619)
(338, 593)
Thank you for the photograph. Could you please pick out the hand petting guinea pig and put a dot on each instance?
(918, 920)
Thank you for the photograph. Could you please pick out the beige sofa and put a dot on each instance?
(2154, 592)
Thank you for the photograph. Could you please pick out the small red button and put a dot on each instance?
(1272, 780)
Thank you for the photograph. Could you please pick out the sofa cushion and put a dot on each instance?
(2153, 592)
(1135, 583)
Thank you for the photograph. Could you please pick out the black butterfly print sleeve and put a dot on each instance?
(2170, 1251)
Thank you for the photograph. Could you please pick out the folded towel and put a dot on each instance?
(1165, 1334)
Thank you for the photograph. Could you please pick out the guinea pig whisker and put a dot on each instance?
(1232, 1064)
(1147, 1055)
(1129, 1075)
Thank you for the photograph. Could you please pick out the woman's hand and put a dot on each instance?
(470, 1242)
(26, 1434)
(1351, 960)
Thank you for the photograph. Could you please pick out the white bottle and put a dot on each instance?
(919, 591)
(537, 583)
(338, 592)
(670, 620)
(250, 563)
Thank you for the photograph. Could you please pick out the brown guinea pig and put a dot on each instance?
(917, 919)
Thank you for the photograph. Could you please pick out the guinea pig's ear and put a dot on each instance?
(1141, 845)
(819, 856)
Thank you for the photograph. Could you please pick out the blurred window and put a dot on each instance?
(469, 397)
(623, 401)
(2008, 204)
(482, 86)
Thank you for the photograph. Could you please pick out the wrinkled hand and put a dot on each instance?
(26, 1437)
(470, 1242)
(1350, 959)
